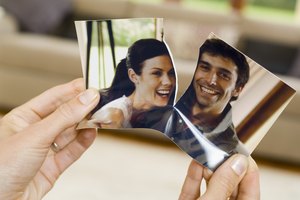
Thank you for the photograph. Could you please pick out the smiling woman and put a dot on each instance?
(143, 80)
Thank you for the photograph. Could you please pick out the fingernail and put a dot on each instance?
(239, 164)
(88, 96)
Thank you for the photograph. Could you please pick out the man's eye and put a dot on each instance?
(225, 76)
(204, 67)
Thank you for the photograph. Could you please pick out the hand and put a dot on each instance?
(237, 178)
(28, 166)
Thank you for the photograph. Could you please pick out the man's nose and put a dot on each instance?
(212, 78)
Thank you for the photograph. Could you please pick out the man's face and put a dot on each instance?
(214, 83)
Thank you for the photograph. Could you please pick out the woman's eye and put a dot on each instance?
(171, 73)
(157, 73)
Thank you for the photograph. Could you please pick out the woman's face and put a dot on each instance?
(156, 83)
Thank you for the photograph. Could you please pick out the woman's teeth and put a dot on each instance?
(163, 92)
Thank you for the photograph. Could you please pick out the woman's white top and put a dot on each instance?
(123, 103)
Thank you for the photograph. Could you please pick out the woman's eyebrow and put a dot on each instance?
(157, 68)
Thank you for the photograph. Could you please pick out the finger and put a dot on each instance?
(41, 106)
(65, 138)
(226, 178)
(66, 116)
(192, 183)
(50, 100)
(56, 164)
(207, 173)
(249, 187)
(75, 149)
(235, 193)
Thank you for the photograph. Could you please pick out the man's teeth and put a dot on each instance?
(208, 90)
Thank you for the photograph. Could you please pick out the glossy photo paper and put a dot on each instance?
(228, 107)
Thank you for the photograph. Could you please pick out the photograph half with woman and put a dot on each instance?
(143, 78)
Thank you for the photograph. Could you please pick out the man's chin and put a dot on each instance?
(206, 101)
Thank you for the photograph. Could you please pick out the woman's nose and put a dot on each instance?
(166, 80)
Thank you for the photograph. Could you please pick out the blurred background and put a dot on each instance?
(39, 49)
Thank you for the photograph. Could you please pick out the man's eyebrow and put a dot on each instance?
(225, 70)
(204, 62)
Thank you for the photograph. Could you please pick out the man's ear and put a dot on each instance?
(236, 92)
(133, 76)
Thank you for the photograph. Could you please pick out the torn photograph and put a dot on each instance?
(130, 64)
(228, 107)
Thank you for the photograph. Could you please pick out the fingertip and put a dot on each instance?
(226, 178)
(87, 137)
(239, 164)
(252, 164)
(88, 96)
(78, 83)
(207, 173)
(75, 86)
(195, 170)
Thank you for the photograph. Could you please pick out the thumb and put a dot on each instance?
(65, 116)
(226, 178)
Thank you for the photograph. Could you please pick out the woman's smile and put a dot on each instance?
(156, 83)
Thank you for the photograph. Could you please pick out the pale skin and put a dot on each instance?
(153, 87)
(113, 118)
(155, 84)
(29, 168)
(214, 83)
(236, 179)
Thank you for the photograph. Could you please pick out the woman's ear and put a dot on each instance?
(133, 76)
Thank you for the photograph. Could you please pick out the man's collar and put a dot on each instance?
(226, 121)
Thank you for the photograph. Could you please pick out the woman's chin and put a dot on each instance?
(161, 104)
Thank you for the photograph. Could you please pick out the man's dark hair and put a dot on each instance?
(217, 47)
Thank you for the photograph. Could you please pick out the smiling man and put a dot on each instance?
(220, 76)
(202, 124)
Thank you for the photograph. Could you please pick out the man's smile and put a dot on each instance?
(209, 90)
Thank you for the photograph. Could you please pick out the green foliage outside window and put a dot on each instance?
(280, 4)
(125, 33)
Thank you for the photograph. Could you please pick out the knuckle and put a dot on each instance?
(77, 86)
(67, 113)
(227, 183)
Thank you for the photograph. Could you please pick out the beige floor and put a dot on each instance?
(117, 167)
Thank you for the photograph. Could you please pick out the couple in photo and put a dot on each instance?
(143, 91)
